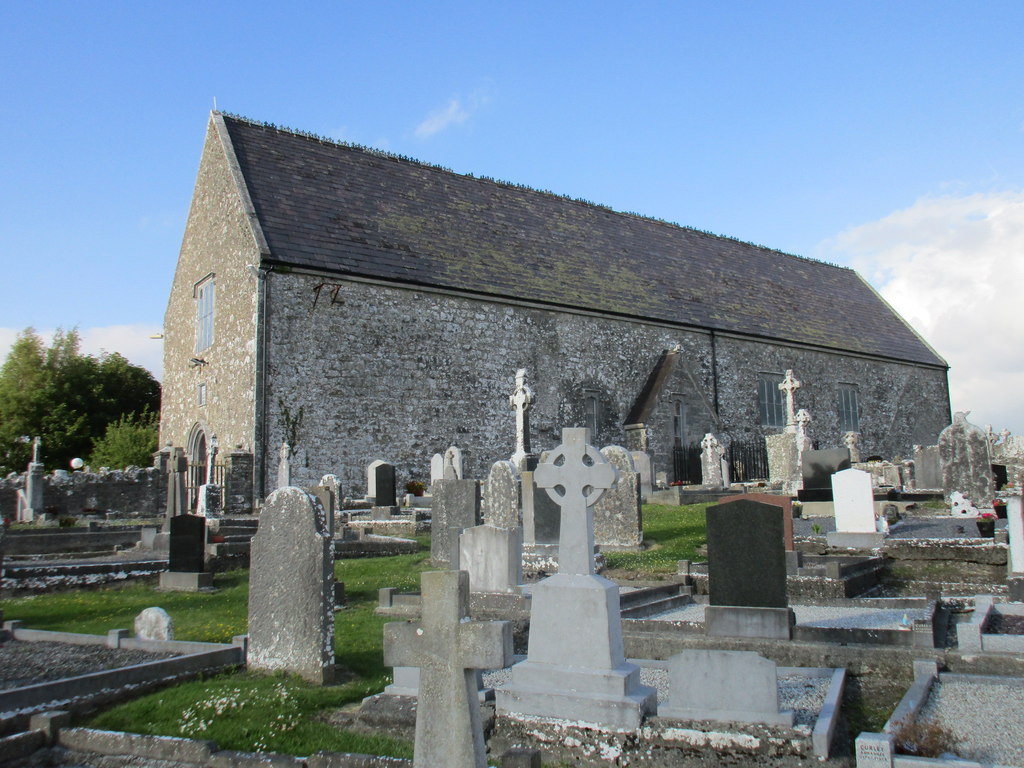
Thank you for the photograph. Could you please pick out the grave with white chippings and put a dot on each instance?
(291, 588)
(448, 649)
(589, 680)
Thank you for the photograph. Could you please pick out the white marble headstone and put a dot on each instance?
(854, 501)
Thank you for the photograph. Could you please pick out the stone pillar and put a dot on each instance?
(238, 483)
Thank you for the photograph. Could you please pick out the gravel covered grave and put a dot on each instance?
(23, 663)
(846, 617)
(988, 718)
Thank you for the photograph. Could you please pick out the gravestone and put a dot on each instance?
(326, 497)
(852, 442)
(208, 500)
(291, 588)
(520, 400)
(965, 454)
(384, 485)
(284, 466)
(785, 503)
(711, 455)
(927, 467)
(436, 468)
(541, 516)
(500, 504)
(618, 519)
(1015, 539)
(726, 686)
(788, 386)
(493, 558)
(177, 499)
(588, 681)
(855, 511)
(371, 478)
(875, 750)
(30, 499)
(186, 567)
(747, 571)
(455, 507)
(154, 624)
(448, 648)
(453, 463)
(816, 470)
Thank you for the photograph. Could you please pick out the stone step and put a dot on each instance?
(656, 606)
(651, 600)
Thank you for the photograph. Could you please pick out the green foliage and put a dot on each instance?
(670, 534)
(64, 397)
(129, 441)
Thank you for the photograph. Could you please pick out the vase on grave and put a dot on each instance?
(986, 527)
(1000, 507)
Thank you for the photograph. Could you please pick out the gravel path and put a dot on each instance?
(988, 718)
(23, 663)
(846, 617)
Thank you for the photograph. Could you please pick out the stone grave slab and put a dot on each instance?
(493, 558)
(291, 588)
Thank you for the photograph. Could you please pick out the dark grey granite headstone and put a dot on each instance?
(187, 544)
(455, 507)
(385, 486)
(547, 518)
(746, 555)
(817, 467)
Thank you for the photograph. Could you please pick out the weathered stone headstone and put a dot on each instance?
(284, 466)
(500, 504)
(541, 516)
(455, 507)
(448, 649)
(711, 454)
(852, 442)
(493, 558)
(875, 750)
(453, 463)
(177, 499)
(520, 400)
(590, 681)
(326, 497)
(436, 468)
(384, 485)
(927, 467)
(747, 571)
(727, 686)
(187, 544)
(154, 624)
(964, 452)
(291, 588)
(788, 386)
(618, 519)
(208, 500)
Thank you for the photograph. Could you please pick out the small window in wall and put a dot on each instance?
(771, 403)
(679, 422)
(201, 394)
(591, 412)
(204, 293)
(849, 409)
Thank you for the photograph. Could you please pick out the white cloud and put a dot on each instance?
(131, 341)
(952, 267)
(455, 112)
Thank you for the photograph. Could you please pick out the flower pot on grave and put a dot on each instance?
(986, 528)
(1000, 508)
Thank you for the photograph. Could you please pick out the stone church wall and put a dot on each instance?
(359, 371)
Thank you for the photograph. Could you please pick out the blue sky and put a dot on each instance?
(886, 136)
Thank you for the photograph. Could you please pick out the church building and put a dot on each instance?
(364, 306)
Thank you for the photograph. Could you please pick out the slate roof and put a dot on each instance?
(353, 211)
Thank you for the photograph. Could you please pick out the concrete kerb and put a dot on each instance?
(206, 753)
(77, 691)
(925, 674)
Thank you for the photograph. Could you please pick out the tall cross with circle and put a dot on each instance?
(521, 399)
(575, 476)
(788, 386)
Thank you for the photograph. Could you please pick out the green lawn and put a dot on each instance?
(278, 713)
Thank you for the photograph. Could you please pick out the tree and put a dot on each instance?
(129, 441)
(65, 397)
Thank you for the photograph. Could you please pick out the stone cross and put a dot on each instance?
(211, 459)
(789, 386)
(284, 467)
(447, 648)
(575, 475)
(36, 443)
(521, 400)
(852, 441)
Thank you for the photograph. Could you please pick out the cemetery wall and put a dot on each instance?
(358, 371)
(218, 245)
(132, 492)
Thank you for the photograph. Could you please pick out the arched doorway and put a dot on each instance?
(197, 457)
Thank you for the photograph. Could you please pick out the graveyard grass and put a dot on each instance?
(278, 713)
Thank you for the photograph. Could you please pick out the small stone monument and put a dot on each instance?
(785, 450)
(618, 515)
(711, 456)
(448, 648)
(852, 442)
(453, 463)
(154, 624)
(966, 459)
(591, 680)
(385, 498)
(520, 400)
(291, 588)
(436, 468)
(284, 465)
